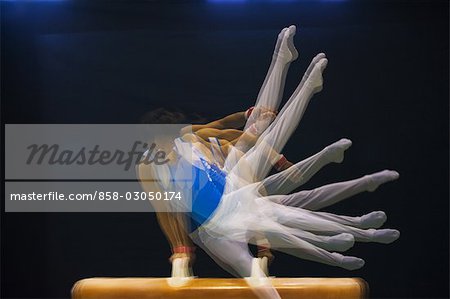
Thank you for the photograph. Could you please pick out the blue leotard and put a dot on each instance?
(208, 183)
(207, 190)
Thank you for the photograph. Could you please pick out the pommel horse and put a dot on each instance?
(182, 285)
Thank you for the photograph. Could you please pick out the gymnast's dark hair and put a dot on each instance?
(171, 116)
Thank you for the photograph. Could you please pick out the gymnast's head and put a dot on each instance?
(171, 116)
(164, 115)
(164, 142)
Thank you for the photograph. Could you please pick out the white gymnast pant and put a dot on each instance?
(254, 204)
(271, 92)
(254, 165)
(290, 179)
(292, 229)
(328, 195)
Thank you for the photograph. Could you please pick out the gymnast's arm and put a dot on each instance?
(174, 225)
(234, 121)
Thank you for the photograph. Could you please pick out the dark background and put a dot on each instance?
(386, 88)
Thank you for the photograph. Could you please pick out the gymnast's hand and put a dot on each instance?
(191, 257)
(266, 252)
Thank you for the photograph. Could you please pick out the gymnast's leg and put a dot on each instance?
(259, 116)
(340, 242)
(287, 121)
(371, 220)
(276, 136)
(271, 91)
(313, 222)
(290, 244)
(288, 180)
(270, 94)
(327, 195)
(235, 257)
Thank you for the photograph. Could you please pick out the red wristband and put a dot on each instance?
(263, 248)
(183, 249)
(249, 112)
(280, 163)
